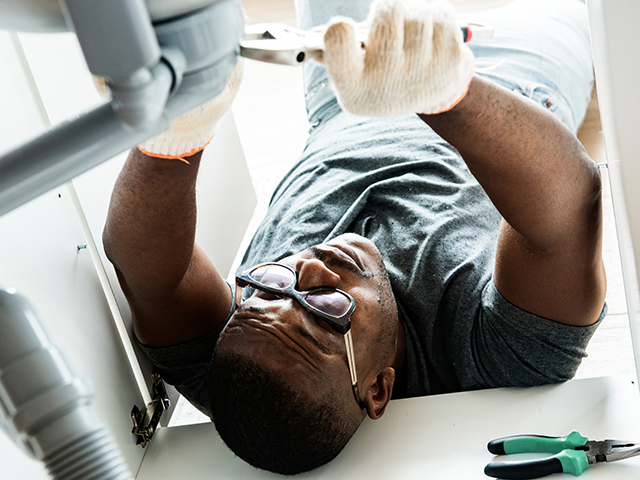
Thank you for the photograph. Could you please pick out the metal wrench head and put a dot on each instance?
(282, 44)
(276, 43)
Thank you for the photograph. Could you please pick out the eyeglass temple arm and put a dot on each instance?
(239, 287)
(348, 341)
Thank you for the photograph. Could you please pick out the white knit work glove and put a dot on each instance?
(414, 60)
(192, 131)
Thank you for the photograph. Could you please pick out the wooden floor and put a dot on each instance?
(271, 120)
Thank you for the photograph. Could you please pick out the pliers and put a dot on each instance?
(574, 454)
(285, 45)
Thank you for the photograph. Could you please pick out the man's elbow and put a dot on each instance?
(592, 195)
(112, 245)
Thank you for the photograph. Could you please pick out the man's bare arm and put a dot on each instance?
(548, 191)
(175, 292)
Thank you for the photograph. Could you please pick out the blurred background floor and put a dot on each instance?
(270, 116)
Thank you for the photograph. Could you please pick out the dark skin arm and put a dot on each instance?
(174, 291)
(539, 177)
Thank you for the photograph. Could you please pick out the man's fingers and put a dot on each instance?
(447, 36)
(418, 31)
(343, 54)
(386, 33)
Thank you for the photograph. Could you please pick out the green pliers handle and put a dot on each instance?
(566, 460)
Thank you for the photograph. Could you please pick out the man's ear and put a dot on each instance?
(378, 394)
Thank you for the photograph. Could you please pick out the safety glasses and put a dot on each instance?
(329, 304)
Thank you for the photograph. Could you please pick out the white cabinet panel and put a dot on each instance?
(15, 465)
(19, 114)
(39, 253)
(61, 75)
(39, 256)
(617, 67)
(439, 437)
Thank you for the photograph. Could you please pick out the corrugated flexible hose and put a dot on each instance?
(44, 407)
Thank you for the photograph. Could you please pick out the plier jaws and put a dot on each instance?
(609, 450)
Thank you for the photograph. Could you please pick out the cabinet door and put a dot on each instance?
(617, 67)
(39, 256)
(63, 89)
(42, 255)
(21, 123)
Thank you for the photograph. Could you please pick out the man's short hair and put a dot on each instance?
(267, 423)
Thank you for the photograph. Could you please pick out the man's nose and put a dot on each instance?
(313, 273)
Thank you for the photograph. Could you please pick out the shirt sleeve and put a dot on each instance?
(512, 347)
(186, 366)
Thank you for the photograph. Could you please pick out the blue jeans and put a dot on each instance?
(540, 48)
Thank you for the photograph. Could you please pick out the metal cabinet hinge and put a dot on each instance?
(145, 421)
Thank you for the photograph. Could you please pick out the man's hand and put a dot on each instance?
(414, 60)
(192, 131)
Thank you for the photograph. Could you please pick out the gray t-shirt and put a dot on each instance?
(399, 184)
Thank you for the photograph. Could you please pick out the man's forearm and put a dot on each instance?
(175, 292)
(150, 229)
(532, 167)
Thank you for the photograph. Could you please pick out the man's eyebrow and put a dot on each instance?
(337, 262)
